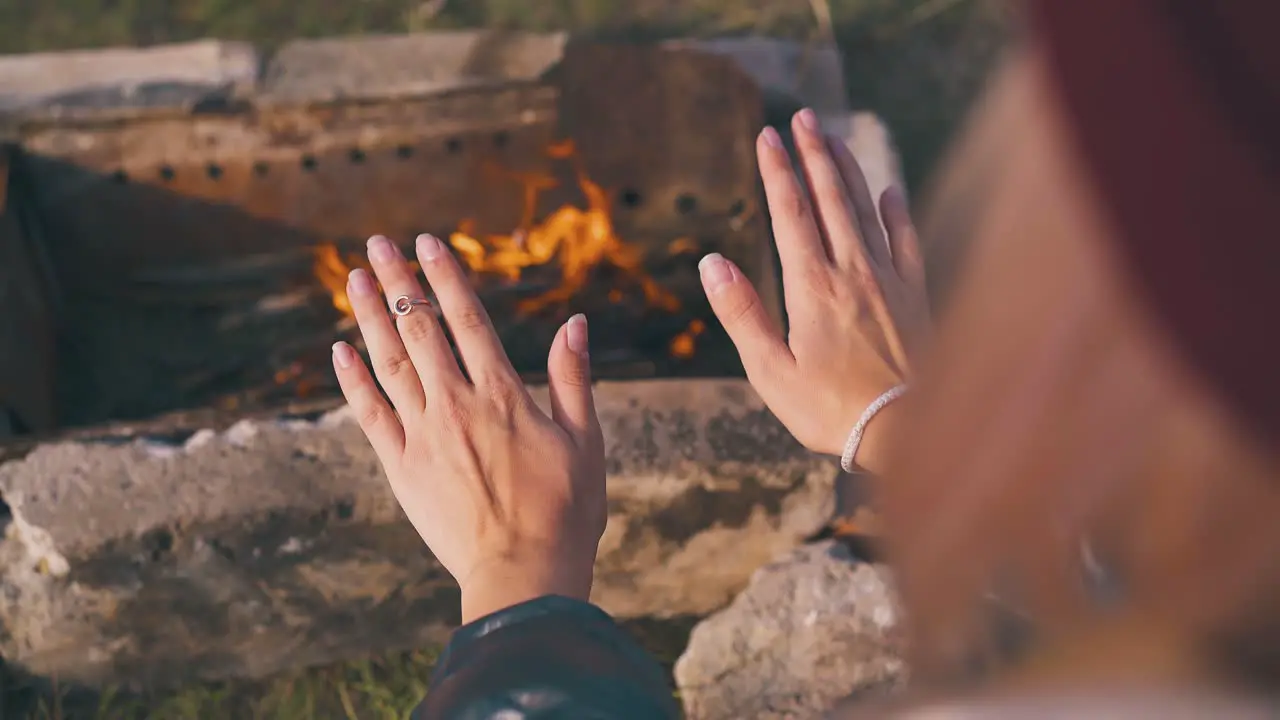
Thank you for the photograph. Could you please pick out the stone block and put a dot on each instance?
(277, 544)
(307, 71)
(808, 632)
(176, 77)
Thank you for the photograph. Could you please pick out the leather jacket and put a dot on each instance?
(548, 658)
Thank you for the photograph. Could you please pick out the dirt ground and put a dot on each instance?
(917, 63)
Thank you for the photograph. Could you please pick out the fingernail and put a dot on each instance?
(429, 247)
(715, 271)
(894, 195)
(343, 355)
(577, 332)
(359, 282)
(808, 119)
(771, 137)
(381, 250)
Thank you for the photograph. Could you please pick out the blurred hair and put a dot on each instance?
(1054, 411)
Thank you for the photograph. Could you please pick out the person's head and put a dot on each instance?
(1069, 398)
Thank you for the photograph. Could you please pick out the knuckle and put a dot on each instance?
(739, 309)
(470, 319)
(371, 414)
(574, 375)
(417, 330)
(395, 364)
(795, 205)
(819, 281)
(503, 394)
(454, 412)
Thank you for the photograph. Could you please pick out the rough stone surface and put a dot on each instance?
(211, 72)
(403, 65)
(278, 544)
(807, 632)
(167, 76)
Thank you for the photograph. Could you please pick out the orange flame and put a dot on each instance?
(332, 269)
(577, 239)
(580, 239)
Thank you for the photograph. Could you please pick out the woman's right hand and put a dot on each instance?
(856, 301)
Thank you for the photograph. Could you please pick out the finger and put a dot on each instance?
(421, 333)
(796, 233)
(569, 378)
(391, 362)
(376, 418)
(832, 206)
(903, 239)
(473, 333)
(765, 356)
(864, 206)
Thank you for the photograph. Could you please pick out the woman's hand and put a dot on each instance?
(856, 302)
(511, 501)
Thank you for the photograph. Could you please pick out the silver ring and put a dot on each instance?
(405, 305)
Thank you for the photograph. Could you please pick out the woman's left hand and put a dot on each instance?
(509, 499)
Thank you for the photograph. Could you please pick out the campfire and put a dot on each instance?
(574, 244)
(206, 266)
(576, 241)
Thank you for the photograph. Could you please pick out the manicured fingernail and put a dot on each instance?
(343, 355)
(715, 271)
(771, 137)
(359, 282)
(808, 119)
(429, 247)
(577, 332)
(381, 250)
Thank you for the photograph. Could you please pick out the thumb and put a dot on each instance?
(737, 305)
(569, 379)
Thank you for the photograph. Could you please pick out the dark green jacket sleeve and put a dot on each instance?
(548, 658)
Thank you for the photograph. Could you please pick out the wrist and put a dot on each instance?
(500, 584)
(873, 452)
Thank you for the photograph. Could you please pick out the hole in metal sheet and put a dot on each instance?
(738, 208)
(166, 173)
(214, 171)
(631, 198)
(404, 152)
(356, 155)
(261, 169)
(454, 146)
(686, 204)
(308, 163)
(158, 543)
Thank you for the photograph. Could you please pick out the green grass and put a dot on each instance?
(27, 25)
(385, 688)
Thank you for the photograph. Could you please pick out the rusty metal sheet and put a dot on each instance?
(669, 132)
(196, 191)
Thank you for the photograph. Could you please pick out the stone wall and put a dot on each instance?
(275, 544)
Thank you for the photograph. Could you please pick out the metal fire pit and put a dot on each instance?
(178, 237)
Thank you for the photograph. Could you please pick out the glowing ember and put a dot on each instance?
(578, 239)
(684, 344)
